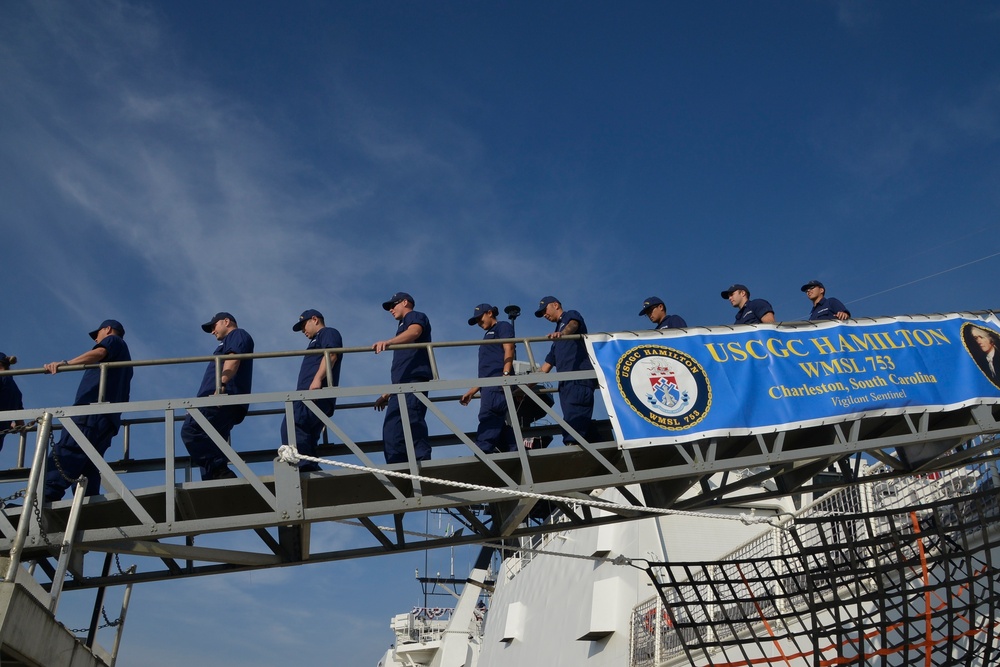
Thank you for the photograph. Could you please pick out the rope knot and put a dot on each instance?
(288, 454)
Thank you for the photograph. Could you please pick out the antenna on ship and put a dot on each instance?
(512, 312)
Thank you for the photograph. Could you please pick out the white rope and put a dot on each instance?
(618, 560)
(289, 454)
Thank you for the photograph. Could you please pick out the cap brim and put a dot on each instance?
(299, 326)
(93, 334)
(207, 328)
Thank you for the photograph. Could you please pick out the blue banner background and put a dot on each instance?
(777, 377)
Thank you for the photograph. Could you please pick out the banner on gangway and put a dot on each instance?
(672, 386)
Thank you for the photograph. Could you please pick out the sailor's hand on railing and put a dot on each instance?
(380, 346)
(381, 402)
(53, 366)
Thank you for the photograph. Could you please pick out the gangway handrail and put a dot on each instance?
(526, 340)
(135, 363)
(220, 359)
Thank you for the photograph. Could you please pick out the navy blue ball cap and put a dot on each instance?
(543, 304)
(480, 310)
(114, 324)
(650, 303)
(812, 283)
(208, 326)
(305, 316)
(396, 298)
(734, 288)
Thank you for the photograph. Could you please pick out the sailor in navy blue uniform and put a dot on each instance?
(576, 397)
(756, 311)
(494, 432)
(109, 345)
(409, 365)
(656, 311)
(824, 308)
(236, 378)
(312, 375)
(10, 394)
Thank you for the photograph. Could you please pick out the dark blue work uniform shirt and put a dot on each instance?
(10, 399)
(118, 383)
(672, 322)
(10, 395)
(491, 356)
(827, 309)
(236, 341)
(753, 311)
(412, 364)
(326, 337)
(569, 355)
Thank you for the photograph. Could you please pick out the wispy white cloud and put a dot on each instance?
(195, 203)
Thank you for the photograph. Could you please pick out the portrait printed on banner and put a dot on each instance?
(983, 344)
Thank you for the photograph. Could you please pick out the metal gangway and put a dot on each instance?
(157, 514)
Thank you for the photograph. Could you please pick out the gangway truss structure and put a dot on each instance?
(157, 516)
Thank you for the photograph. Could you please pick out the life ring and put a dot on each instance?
(649, 620)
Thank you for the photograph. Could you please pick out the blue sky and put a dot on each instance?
(161, 162)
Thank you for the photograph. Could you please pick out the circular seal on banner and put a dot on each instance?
(665, 387)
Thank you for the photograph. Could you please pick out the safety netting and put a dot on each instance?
(905, 585)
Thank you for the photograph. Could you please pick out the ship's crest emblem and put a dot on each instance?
(664, 386)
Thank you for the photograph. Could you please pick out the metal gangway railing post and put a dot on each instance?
(22, 446)
(121, 622)
(95, 618)
(103, 383)
(218, 374)
(31, 495)
(66, 548)
(433, 361)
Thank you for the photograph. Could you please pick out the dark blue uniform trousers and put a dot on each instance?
(576, 398)
(392, 430)
(204, 453)
(308, 429)
(99, 430)
(494, 433)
